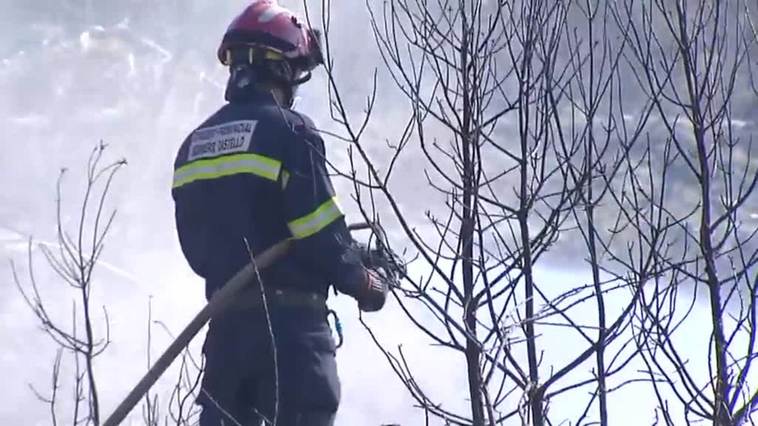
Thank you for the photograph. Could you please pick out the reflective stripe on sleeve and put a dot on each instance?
(319, 219)
(214, 168)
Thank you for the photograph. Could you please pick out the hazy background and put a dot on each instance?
(139, 75)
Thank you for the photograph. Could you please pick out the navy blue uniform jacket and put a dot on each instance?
(256, 172)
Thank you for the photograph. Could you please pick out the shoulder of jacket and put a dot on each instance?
(301, 124)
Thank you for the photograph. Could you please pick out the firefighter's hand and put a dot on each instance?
(373, 292)
(389, 265)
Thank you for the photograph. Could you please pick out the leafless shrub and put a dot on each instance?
(690, 193)
(73, 258)
(513, 108)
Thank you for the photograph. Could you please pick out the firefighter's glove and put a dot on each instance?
(373, 292)
(367, 255)
(383, 261)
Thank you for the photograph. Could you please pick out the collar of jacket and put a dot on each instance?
(249, 94)
(242, 87)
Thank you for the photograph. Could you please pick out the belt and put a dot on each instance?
(251, 299)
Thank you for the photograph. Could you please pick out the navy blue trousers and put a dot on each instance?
(239, 385)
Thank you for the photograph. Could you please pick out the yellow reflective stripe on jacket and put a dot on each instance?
(213, 168)
(315, 221)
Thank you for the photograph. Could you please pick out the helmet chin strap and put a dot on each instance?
(303, 79)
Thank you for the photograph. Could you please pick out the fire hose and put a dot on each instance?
(380, 256)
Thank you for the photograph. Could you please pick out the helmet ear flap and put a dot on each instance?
(281, 70)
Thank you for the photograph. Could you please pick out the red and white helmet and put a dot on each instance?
(265, 24)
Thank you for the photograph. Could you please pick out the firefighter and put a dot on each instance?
(251, 175)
